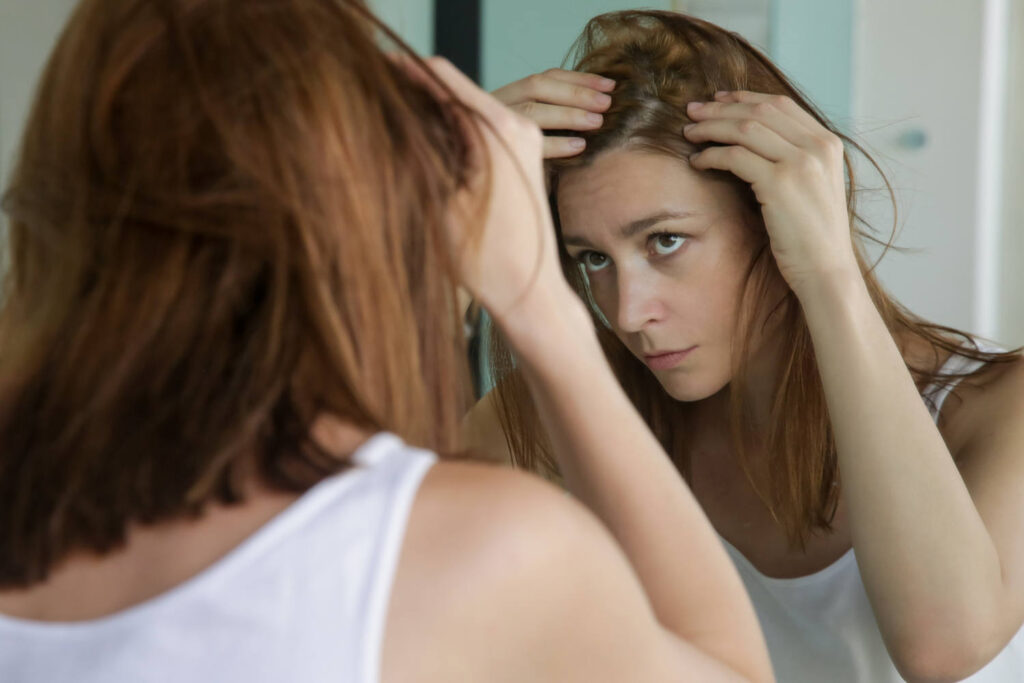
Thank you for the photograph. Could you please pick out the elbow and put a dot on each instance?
(943, 660)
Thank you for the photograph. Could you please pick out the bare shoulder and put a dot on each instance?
(478, 538)
(988, 407)
(504, 577)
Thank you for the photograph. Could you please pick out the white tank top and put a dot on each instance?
(304, 598)
(820, 627)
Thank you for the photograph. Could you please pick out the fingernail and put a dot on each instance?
(607, 83)
(577, 143)
(602, 99)
(595, 119)
(693, 106)
(721, 93)
(688, 126)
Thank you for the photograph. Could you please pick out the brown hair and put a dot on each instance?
(660, 62)
(227, 218)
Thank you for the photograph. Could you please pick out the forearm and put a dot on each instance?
(612, 462)
(923, 550)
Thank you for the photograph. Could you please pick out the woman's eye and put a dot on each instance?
(666, 243)
(593, 261)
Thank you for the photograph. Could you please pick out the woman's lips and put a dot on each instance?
(669, 359)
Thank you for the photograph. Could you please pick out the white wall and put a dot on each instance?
(750, 18)
(412, 20)
(526, 36)
(28, 30)
(1011, 276)
(928, 82)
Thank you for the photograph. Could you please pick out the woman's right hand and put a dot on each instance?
(506, 258)
(560, 100)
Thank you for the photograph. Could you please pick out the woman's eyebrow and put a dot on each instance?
(632, 228)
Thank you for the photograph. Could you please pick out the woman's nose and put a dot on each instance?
(638, 303)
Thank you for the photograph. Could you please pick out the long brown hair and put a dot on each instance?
(660, 62)
(227, 218)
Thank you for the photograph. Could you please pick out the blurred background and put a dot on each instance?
(935, 90)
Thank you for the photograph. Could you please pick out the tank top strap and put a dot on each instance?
(935, 394)
(405, 467)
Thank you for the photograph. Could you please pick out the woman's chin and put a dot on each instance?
(690, 389)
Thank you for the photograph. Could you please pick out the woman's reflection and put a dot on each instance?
(707, 212)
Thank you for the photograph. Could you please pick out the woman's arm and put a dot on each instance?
(941, 551)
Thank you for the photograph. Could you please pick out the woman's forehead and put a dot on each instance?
(622, 186)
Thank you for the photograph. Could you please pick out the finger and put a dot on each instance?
(739, 161)
(587, 80)
(780, 102)
(548, 90)
(554, 117)
(767, 114)
(559, 147)
(749, 133)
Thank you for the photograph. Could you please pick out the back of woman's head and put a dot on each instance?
(226, 219)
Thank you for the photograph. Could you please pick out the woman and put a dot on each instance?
(231, 350)
(708, 223)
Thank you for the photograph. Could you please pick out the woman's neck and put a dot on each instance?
(761, 378)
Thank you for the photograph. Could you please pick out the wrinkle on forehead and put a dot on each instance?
(622, 186)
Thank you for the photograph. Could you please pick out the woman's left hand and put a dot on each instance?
(795, 167)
